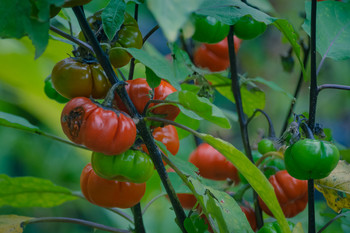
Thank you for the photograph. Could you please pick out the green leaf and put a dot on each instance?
(32, 192)
(113, 17)
(135, 1)
(201, 107)
(187, 121)
(152, 79)
(222, 211)
(186, 167)
(253, 175)
(332, 28)
(172, 15)
(252, 97)
(181, 62)
(12, 223)
(271, 85)
(13, 121)
(195, 224)
(159, 65)
(177, 184)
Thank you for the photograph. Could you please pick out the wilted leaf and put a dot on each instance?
(12, 223)
(336, 187)
(298, 228)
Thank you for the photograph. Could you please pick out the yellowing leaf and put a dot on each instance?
(12, 223)
(336, 187)
(298, 228)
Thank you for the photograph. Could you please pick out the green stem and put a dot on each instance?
(75, 221)
(139, 226)
(151, 202)
(331, 221)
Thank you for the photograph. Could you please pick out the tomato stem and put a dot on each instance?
(155, 28)
(332, 86)
(271, 128)
(241, 118)
(139, 226)
(74, 221)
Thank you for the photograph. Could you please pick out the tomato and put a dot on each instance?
(274, 227)
(99, 128)
(130, 166)
(72, 3)
(109, 193)
(72, 78)
(311, 159)
(215, 57)
(250, 214)
(248, 28)
(187, 200)
(291, 194)
(140, 93)
(209, 30)
(52, 93)
(212, 164)
(169, 137)
(129, 36)
(265, 146)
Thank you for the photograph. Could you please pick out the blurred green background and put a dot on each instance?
(23, 154)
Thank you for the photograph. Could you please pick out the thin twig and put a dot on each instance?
(155, 28)
(121, 74)
(331, 221)
(332, 86)
(271, 128)
(75, 221)
(151, 202)
(71, 38)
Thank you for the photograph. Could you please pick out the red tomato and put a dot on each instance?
(169, 137)
(215, 57)
(291, 194)
(140, 93)
(250, 214)
(109, 193)
(187, 200)
(212, 164)
(100, 129)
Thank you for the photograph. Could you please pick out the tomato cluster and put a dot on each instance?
(214, 57)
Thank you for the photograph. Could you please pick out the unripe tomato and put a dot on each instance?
(212, 164)
(72, 3)
(311, 159)
(130, 166)
(248, 28)
(99, 128)
(109, 193)
(140, 93)
(209, 30)
(52, 93)
(265, 146)
(291, 194)
(72, 78)
(274, 227)
(215, 57)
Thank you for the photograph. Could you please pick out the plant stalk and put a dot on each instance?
(139, 226)
(241, 118)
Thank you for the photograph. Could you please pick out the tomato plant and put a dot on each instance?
(212, 164)
(248, 28)
(274, 227)
(98, 128)
(265, 146)
(209, 29)
(71, 3)
(140, 94)
(311, 159)
(214, 56)
(130, 166)
(109, 193)
(73, 78)
(291, 194)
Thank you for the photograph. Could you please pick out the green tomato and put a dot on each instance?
(130, 166)
(209, 30)
(248, 28)
(311, 159)
(274, 227)
(51, 92)
(265, 146)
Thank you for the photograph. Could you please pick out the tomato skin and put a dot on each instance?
(215, 57)
(311, 159)
(72, 78)
(248, 28)
(209, 30)
(52, 93)
(72, 3)
(250, 214)
(139, 93)
(99, 129)
(109, 193)
(130, 166)
(169, 137)
(291, 194)
(265, 146)
(212, 164)
(187, 200)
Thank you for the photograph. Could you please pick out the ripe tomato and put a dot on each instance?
(169, 137)
(209, 30)
(109, 193)
(187, 200)
(72, 78)
(130, 166)
(215, 57)
(212, 164)
(248, 28)
(140, 93)
(291, 194)
(100, 129)
(250, 214)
